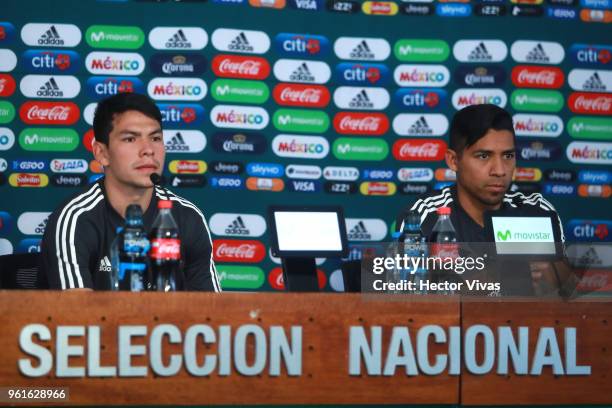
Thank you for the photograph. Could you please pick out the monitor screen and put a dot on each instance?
(308, 231)
(523, 235)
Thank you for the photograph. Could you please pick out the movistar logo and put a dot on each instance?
(503, 236)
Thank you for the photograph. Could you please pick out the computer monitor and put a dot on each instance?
(307, 231)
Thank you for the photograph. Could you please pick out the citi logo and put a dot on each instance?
(51, 35)
(480, 50)
(105, 86)
(241, 41)
(184, 141)
(362, 74)
(301, 44)
(315, 72)
(346, 97)
(50, 62)
(420, 99)
(364, 49)
(182, 38)
(181, 113)
(406, 124)
(537, 52)
(597, 55)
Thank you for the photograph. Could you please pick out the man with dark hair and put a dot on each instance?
(482, 153)
(129, 145)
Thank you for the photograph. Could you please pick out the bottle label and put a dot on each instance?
(166, 248)
(445, 250)
(137, 245)
(130, 266)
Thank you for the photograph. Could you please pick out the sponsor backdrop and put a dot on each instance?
(304, 102)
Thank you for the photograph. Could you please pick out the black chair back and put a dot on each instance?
(22, 271)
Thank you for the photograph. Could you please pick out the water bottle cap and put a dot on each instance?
(444, 211)
(133, 211)
(162, 204)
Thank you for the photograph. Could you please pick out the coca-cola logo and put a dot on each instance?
(537, 77)
(7, 85)
(166, 248)
(236, 66)
(276, 281)
(419, 149)
(235, 250)
(358, 123)
(49, 113)
(593, 103)
(311, 96)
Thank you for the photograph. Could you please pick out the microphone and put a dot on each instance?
(155, 179)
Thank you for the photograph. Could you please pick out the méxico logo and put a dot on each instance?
(240, 41)
(524, 76)
(421, 75)
(312, 72)
(187, 114)
(49, 113)
(537, 52)
(590, 80)
(409, 124)
(480, 51)
(304, 147)
(121, 37)
(239, 117)
(362, 49)
(409, 50)
(236, 66)
(367, 74)
(51, 35)
(419, 150)
(537, 125)
(99, 87)
(52, 87)
(49, 62)
(420, 99)
(357, 123)
(301, 45)
(350, 97)
(465, 97)
(590, 153)
(178, 38)
(186, 64)
(533, 100)
(177, 89)
(594, 55)
(590, 103)
(184, 141)
(363, 149)
(114, 63)
(480, 76)
(308, 96)
(240, 91)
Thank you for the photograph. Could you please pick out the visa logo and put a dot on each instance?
(304, 45)
(311, 5)
(99, 87)
(305, 186)
(362, 74)
(50, 62)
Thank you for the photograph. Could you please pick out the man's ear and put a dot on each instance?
(451, 158)
(100, 151)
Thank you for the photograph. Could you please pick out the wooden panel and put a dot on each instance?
(325, 319)
(593, 321)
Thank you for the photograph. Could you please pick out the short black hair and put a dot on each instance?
(470, 124)
(108, 108)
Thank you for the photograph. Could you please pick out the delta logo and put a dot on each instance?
(177, 89)
(465, 97)
(301, 71)
(480, 76)
(237, 66)
(362, 49)
(377, 188)
(527, 174)
(380, 8)
(274, 185)
(590, 80)
(590, 153)
(357, 123)
(178, 38)
(178, 65)
(419, 150)
(7, 85)
(55, 87)
(237, 250)
(594, 55)
(187, 167)
(408, 124)
(241, 41)
(367, 74)
(7, 33)
(51, 35)
(420, 99)
(308, 96)
(301, 45)
(524, 76)
(537, 125)
(114, 63)
(187, 114)
(101, 87)
(434, 76)
(49, 113)
(239, 117)
(28, 180)
(50, 62)
(590, 103)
